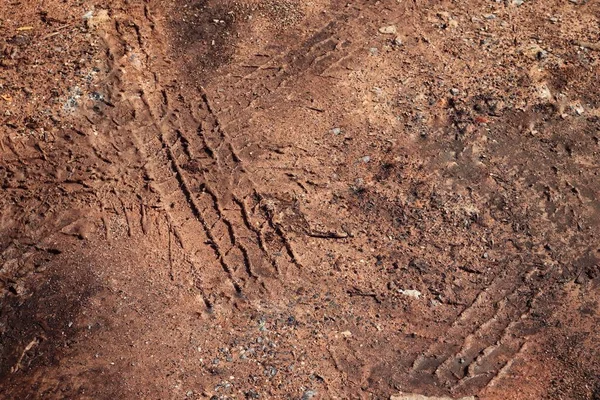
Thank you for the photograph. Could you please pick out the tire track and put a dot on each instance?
(469, 354)
(492, 362)
(165, 176)
(225, 186)
(226, 243)
(245, 181)
(320, 52)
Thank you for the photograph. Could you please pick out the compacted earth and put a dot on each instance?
(286, 199)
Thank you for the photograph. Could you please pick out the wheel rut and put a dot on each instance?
(201, 182)
(281, 199)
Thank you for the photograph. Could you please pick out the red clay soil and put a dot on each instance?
(282, 199)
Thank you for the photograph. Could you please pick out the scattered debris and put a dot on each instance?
(406, 396)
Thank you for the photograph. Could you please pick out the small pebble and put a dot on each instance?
(411, 293)
(309, 394)
(388, 30)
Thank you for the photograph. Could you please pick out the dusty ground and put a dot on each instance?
(285, 199)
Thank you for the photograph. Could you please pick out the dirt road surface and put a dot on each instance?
(282, 199)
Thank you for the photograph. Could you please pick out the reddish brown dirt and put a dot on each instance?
(274, 199)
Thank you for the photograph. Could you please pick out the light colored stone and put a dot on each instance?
(411, 293)
(388, 30)
(96, 19)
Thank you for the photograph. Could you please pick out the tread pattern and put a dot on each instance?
(209, 198)
(322, 51)
(484, 338)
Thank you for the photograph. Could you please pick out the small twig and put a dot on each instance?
(170, 256)
(469, 270)
(357, 292)
(327, 235)
(55, 32)
(30, 346)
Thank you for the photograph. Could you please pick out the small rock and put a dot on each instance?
(398, 41)
(388, 30)
(419, 264)
(544, 92)
(93, 21)
(534, 51)
(489, 16)
(346, 334)
(377, 90)
(366, 159)
(373, 51)
(81, 229)
(454, 91)
(336, 131)
(411, 293)
(578, 108)
(309, 394)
